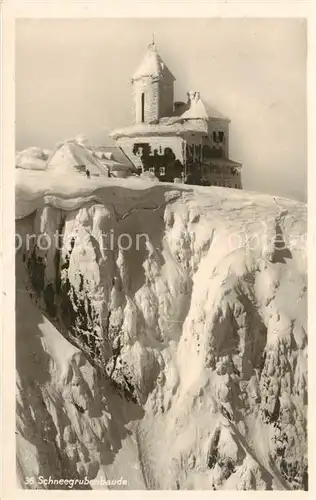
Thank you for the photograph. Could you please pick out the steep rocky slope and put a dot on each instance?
(178, 363)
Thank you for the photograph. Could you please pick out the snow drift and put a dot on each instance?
(179, 364)
(32, 158)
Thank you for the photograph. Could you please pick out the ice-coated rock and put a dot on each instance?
(185, 356)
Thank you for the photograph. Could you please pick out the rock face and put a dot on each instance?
(180, 320)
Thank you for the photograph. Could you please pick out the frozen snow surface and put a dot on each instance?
(177, 363)
(32, 158)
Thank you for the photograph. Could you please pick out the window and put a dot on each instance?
(152, 170)
(218, 137)
(162, 171)
(143, 107)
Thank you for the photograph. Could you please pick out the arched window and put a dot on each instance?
(143, 107)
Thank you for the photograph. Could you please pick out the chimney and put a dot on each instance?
(191, 96)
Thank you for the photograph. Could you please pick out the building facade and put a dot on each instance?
(177, 141)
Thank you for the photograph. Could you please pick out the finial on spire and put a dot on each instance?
(152, 45)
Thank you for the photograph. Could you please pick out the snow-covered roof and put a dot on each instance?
(200, 109)
(72, 155)
(114, 153)
(152, 65)
(193, 120)
(166, 126)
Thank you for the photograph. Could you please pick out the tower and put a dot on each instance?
(152, 88)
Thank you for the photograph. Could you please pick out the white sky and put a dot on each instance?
(73, 76)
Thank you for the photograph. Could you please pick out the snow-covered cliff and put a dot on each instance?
(179, 362)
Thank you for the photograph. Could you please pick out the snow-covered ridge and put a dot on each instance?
(35, 189)
(199, 334)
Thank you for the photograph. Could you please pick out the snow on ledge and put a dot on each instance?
(35, 188)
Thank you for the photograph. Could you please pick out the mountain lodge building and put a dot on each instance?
(176, 141)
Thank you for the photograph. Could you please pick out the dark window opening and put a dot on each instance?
(143, 107)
